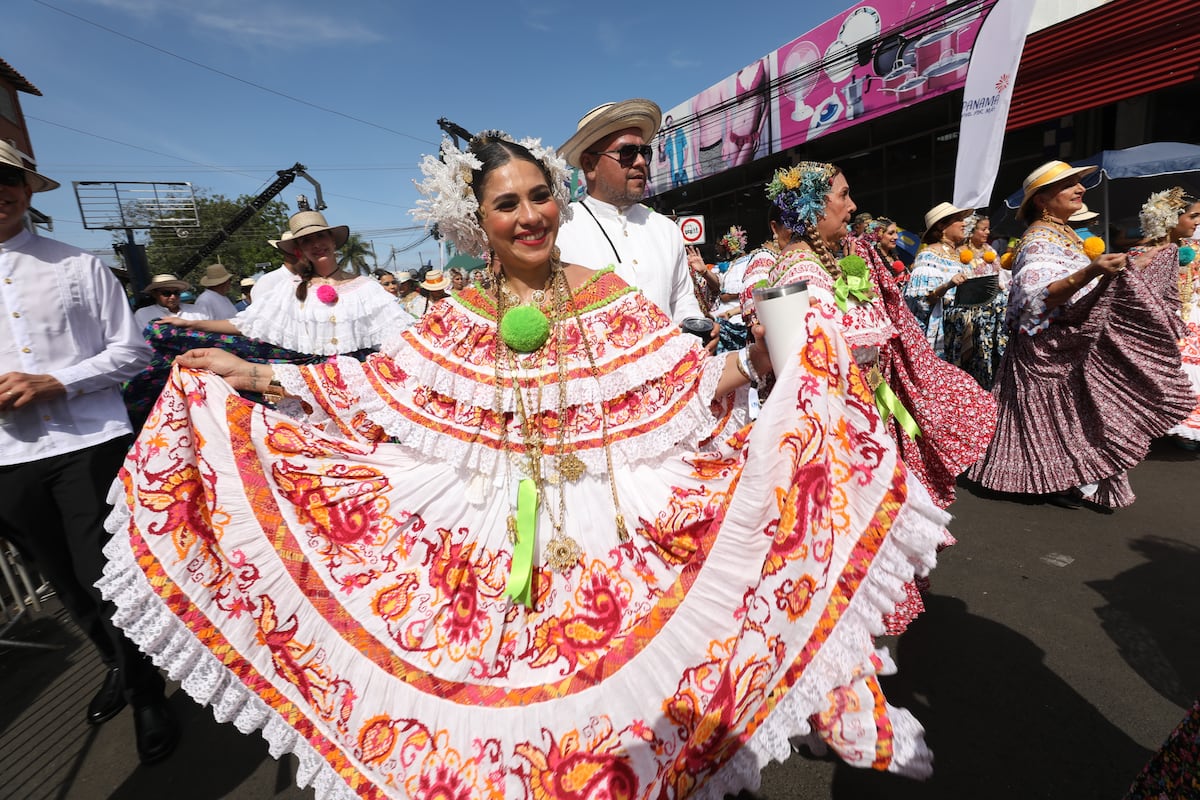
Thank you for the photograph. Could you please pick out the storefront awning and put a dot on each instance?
(1121, 50)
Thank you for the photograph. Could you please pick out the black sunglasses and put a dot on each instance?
(626, 154)
(167, 292)
(12, 177)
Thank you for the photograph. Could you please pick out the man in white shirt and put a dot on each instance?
(67, 341)
(281, 276)
(610, 225)
(165, 290)
(213, 300)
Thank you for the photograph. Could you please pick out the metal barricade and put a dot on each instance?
(18, 597)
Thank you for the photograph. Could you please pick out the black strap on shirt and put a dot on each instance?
(604, 232)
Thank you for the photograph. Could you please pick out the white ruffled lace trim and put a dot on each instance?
(151, 625)
(908, 551)
(365, 315)
(689, 425)
(665, 349)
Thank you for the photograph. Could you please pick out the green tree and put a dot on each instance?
(354, 255)
(166, 251)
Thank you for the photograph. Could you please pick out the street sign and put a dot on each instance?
(692, 228)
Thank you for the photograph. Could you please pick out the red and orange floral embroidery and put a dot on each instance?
(586, 629)
(580, 765)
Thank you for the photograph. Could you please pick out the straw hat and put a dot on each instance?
(165, 280)
(1084, 214)
(10, 157)
(404, 277)
(435, 280)
(940, 212)
(303, 223)
(609, 118)
(282, 238)
(1048, 173)
(247, 283)
(215, 275)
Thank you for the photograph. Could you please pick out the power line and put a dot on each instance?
(211, 167)
(224, 74)
(139, 147)
(62, 165)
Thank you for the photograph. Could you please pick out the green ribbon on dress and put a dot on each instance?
(520, 572)
(855, 281)
(889, 406)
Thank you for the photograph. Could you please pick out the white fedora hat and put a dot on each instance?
(10, 157)
(166, 280)
(282, 238)
(435, 280)
(215, 275)
(609, 118)
(1084, 214)
(304, 223)
(940, 212)
(1047, 174)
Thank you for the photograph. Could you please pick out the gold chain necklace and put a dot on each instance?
(1056, 224)
(561, 552)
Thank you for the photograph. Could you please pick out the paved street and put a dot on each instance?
(1058, 650)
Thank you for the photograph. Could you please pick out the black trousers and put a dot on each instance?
(53, 511)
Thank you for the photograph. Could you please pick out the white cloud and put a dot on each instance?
(611, 38)
(258, 24)
(680, 61)
(538, 16)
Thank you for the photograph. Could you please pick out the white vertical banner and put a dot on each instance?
(995, 57)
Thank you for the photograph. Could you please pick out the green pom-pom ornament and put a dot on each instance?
(524, 328)
(1187, 254)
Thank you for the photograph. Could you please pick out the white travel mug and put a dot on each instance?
(782, 311)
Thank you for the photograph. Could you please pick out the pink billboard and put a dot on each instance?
(872, 59)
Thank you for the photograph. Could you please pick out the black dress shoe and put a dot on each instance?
(1097, 507)
(1067, 499)
(157, 730)
(109, 701)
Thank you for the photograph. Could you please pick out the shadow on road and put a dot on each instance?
(1152, 616)
(1000, 723)
(212, 760)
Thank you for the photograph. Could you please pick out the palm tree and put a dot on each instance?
(354, 255)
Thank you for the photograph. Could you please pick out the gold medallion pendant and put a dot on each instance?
(874, 377)
(561, 553)
(571, 467)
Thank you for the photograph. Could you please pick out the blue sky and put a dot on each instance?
(118, 109)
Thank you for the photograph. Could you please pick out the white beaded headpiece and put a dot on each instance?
(448, 200)
(969, 224)
(1160, 213)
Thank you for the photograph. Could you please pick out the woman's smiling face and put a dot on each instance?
(519, 215)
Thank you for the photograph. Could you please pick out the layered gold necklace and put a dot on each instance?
(522, 349)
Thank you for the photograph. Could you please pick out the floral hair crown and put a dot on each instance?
(734, 241)
(1161, 211)
(448, 200)
(800, 193)
(875, 227)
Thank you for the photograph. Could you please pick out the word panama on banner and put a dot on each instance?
(986, 97)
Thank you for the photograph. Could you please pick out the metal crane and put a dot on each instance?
(247, 212)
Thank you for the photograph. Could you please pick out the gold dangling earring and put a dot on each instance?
(1048, 217)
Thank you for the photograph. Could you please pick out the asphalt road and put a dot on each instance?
(1058, 649)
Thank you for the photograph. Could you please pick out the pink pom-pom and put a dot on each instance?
(327, 294)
